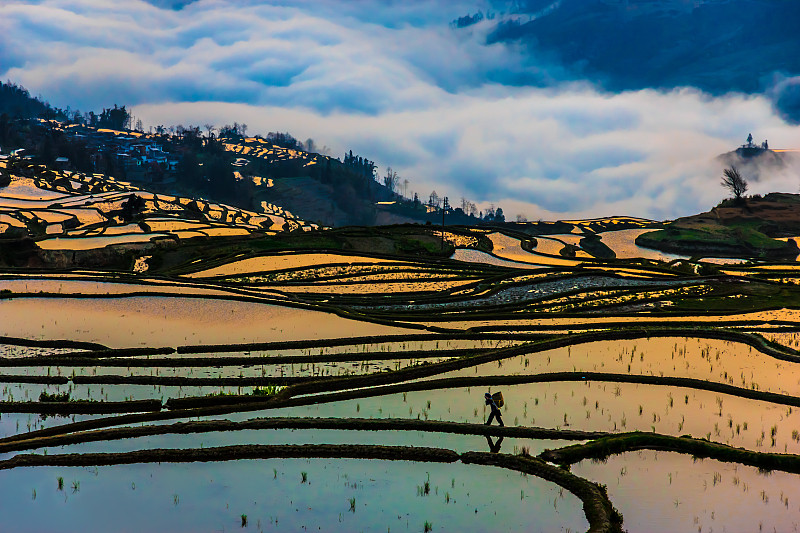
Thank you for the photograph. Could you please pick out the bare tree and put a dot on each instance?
(734, 182)
(209, 128)
(390, 180)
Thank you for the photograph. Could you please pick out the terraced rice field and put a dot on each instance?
(335, 390)
(71, 211)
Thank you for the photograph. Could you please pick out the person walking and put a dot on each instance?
(495, 410)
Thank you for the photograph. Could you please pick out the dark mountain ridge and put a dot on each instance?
(228, 167)
(718, 46)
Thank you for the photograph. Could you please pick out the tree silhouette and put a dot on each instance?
(390, 180)
(734, 182)
(116, 119)
(433, 199)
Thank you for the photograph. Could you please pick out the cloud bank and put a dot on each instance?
(391, 81)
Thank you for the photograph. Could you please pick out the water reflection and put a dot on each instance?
(494, 447)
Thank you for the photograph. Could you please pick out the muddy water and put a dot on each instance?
(666, 492)
(154, 321)
(214, 496)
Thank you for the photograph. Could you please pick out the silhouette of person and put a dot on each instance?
(495, 410)
(494, 447)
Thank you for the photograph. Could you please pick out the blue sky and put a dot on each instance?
(393, 82)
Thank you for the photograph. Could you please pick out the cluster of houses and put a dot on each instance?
(139, 156)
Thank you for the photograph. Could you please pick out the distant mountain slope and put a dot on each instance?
(757, 229)
(316, 187)
(17, 102)
(716, 45)
(64, 219)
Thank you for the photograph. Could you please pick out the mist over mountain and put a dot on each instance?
(718, 46)
(553, 110)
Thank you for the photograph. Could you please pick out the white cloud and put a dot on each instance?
(392, 82)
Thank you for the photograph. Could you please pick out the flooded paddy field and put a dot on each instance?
(217, 370)
(758, 320)
(710, 360)
(399, 287)
(266, 382)
(283, 262)
(86, 287)
(158, 321)
(695, 494)
(281, 494)
(456, 442)
(594, 407)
